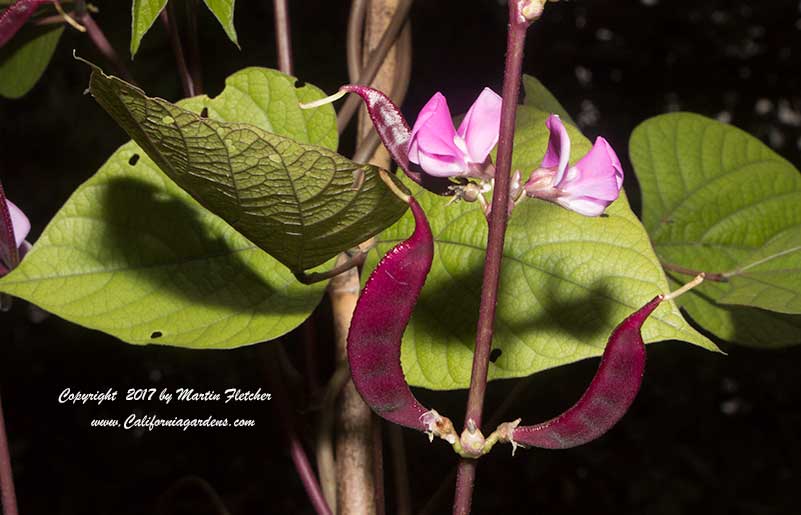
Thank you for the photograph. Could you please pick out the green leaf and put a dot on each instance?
(132, 255)
(567, 280)
(770, 278)
(269, 100)
(713, 196)
(301, 203)
(25, 57)
(143, 15)
(223, 10)
(538, 96)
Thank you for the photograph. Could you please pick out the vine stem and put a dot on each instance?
(171, 24)
(710, 276)
(100, 41)
(515, 43)
(289, 425)
(195, 60)
(283, 36)
(7, 492)
(376, 59)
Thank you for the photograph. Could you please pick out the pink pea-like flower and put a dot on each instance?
(587, 187)
(443, 151)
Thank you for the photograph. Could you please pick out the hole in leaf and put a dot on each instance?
(155, 334)
(133, 160)
(204, 113)
(299, 83)
(495, 354)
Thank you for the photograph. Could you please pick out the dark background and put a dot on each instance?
(708, 433)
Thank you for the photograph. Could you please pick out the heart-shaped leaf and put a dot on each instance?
(716, 199)
(131, 254)
(301, 203)
(567, 280)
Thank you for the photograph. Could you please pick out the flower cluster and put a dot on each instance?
(587, 187)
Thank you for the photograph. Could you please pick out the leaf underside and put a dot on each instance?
(301, 203)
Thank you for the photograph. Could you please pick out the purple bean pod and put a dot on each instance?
(395, 134)
(606, 400)
(9, 254)
(15, 16)
(379, 320)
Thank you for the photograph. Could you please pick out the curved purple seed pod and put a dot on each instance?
(9, 254)
(380, 317)
(608, 397)
(15, 17)
(395, 135)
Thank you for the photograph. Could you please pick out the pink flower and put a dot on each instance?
(20, 226)
(587, 187)
(443, 151)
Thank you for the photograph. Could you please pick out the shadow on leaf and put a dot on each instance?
(161, 239)
(449, 309)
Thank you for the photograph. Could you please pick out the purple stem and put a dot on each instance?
(283, 37)
(492, 265)
(296, 451)
(171, 24)
(7, 492)
(195, 61)
(103, 46)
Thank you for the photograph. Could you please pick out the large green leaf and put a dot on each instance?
(223, 10)
(25, 57)
(770, 277)
(132, 255)
(567, 281)
(538, 96)
(713, 197)
(143, 14)
(301, 203)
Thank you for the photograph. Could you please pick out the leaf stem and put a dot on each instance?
(316, 277)
(101, 42)
(171, 24)
(283, 36)
(709, 276)
(492, 265)
(7, 492)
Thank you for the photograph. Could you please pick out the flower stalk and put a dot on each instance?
(492, 265)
